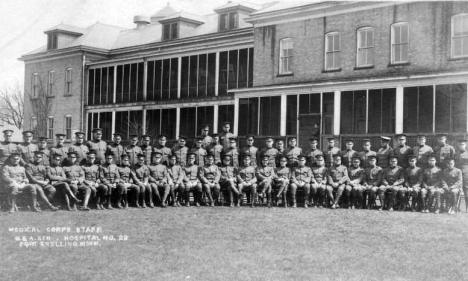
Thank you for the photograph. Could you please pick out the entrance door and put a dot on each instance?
(307, 129)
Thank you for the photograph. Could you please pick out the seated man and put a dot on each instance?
(393, 178)
(209, 176)
(142, 174)
(320, 176)
(109, 176)
(159, 178)
(337, 178)
(191, 181)
(301, 177)
(372, 181)
(356, 175)
(247, 180)
(57, 177)
(452, 184)
(37, 175)
(127, 182)
(432, 184)
(228, 178)
(281, 181)
(16, 182)
(91, 182)
(75, 177)
(177, 175)
(412, 185)
(265, 174)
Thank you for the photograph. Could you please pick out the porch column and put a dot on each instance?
(114, 90)
(215, 121)
(283, 115)
(179, 76)
(177, 130)
(143, 122)
(337, 113)
(399, 102)
(236, 116)
(113, 123)
(145, 80)
(217, 74)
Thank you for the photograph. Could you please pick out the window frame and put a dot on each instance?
(171, 34)
(464, 16)
(68, 126)
(33, 125)
(50, 83)
(334, 51)
(68, 81)
(358, 44)
(35, 85)
(282, 58)
(50, 127)
(52, 41)
(393, 44)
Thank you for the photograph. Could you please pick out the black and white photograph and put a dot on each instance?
(233, 140)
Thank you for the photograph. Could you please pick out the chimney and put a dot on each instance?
(141, 21)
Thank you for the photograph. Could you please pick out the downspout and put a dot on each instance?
(83, 79)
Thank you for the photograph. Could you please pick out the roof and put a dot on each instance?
(184, 15)
(67, 28)
(164, 12)
(241, 4)
(284, 5)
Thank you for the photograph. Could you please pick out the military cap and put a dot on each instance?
(125, 156)
(209, 155)
(215, 135)
(133, 136)
(331, 138)
(441, 136)
(118, 135)
(204, 126)
(60, 135)
(182, 137)
(233, 138)
(462, 140)
(199, 138)
(228, 156)
(372, 157)
(319, 156)
(162, 136)
(56, 155)
(172, 156)
(155, 153)
(283, 157)
(245, 156)
(268, 138)
(431, 156)
(279, 139)
(81, 133)
(337, 155)
(38, 152)
(27, 132)
(292, 138)
(191, 154)
(384, 138)
(226, 122)
(366, 140)
(72, 153)
(313, 139)
(412, 156)
(301, 156)
(449, 158)
(393, 157)
(15, 153)
(264, 156)
(250, 136)
(139, 155)
(42, 138)
(7, 130)
(145, 136)
(91, 151)
(349, 140)
(96, 130)
(109, 152)
(401, 136)
(421, 136)
(356, 158)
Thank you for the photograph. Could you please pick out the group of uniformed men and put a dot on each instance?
(216, 165)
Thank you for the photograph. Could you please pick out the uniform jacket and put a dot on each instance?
(6, 148)
(280, 153)
(374, 175)
(442, 153)
(338, 174)
(347, 156)
(209, 173)
(272, 153)
(402, 152)
(27, 151)
(310, 154)
(393, 176)
(109, 173)
(383, 157)
(216, 150)
(176, 172)
(200, 154)
(328, 154)
(251, 151)
(45, 156)
(365, 158)
(227, 172)
(142, 173)
(422, 152)
(356, 175)
(158, 173)
(181, 154)
(302, 174)
(292, 154)
(100, 147)
(234, 153)
(165, 153)
(147, 150)
(14, 174)
(74, 172)
(320, 174)
(132, 151)
(265, 172)
(118, 150)
(56, 174)
(62, 150)
(127, 175)
(461, 160)
(91, 172)
(35, 172)
(247, 174)
(224, 139)
(283, 173)
(413, 177)
(453, 178)
(80, 150)
(191, 173)
(432, 177)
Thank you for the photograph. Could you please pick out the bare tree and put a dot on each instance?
(135, 126)
(41, 105)
(12, 106)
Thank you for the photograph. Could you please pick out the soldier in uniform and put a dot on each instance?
(199, 151)
(357, 176)
(116, 148)
(59, 148)
(209, 176)
(279, 144)
(233, 151)
(42, 147)
(281, 181)
(330, 152)
(159, 178)
(337, 179)
(413, 180)
(443, 151)
(319, 183)
(250, 150)
(91, 182)
(126, 182)
(57, 177)
(6, 148)
(206, 138)
(176, 172)
(215, 149)
(452, 184)
(292, 152)
(191, 181)
(301, 177)
(372, 182)
(146, 148)
(225, 135)
(98, 145)
(181, 151)
(132, 150)
(37, 175)
(461, 160)
(349, 153)
(393, 178)
(16, 181)
(228, 179)
(26, 148)
(431, 185)
(384, 153)
(247, 179)
(312, 152)
(422, 151)
(364, 155)
(161, 147)
(110, 177)
(269, 151)
(265, 174)
(80, 148)
(75, 177)
(402, 151)
(142, 177)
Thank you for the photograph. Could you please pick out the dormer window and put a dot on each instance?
(228, 21)
(170, 31)
(52, 40)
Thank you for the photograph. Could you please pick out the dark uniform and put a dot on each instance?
(91, 181)
(357, 176)
(181, 154)
(347, 156)
(80, 150)
(75, 177)
(413, 180)
(337, 179)
(216, 150)
(329, 153)
(45, 156)
(432, 186)
(228, 180)
(319, 182)
(132, 151)
(251, 151)
(234, 153)
(372, 184)
(392, 180)
(177, 175)
(383, 157)
(265, 177)
(27, 151)
(100, 147)
(452, 185)
(281, 183)
(247, 180)
(110, 177)
(16, 181)
(422, 152)
(364, 155)
(192, 183)
(142, 174)
(210, 175)
(200, 154)
(147, 150)
(442, 153)
(311, 154)
(62, 150)
(292, 154)
(126, 183)
(117, 151)
(37, 174)
(6, 149)
(165, 153)
(159, 180)
(272, 153)
(402, 152)
(301, 177)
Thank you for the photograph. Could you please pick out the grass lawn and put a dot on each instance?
(225, 243)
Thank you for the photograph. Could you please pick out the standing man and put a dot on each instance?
(364, 155)
(461, 161)
(181, 151)
(80, 148)
(215, 149)
(116, 148)
(228, 179)
(6, 148)
(320, 175)
(247, 180)
(422, 151)
(110, 177)
(349, 153)
(161, 147)
(91, 181)
(127, 182)
(225, 135)
(292, 152)
(301, 177)
(443, 151)
(199, 151)
(98, 145)
(209, 176)
(250, 150)
(132, 150)
(42, 147)
(159, 178)
(233, 151)
(269, 151)
(373, 180)
(337, 179)
(413, 180)
(312, 152)
(59, 148)
(392, 180)
(75, 177)
(432, 183)
(206, 139)
(27, 148)
(265, 174)
(146, 148)
(192, 182)
(452, 184)
(281, 181)
(330, 152)
(279, 144)
(357, 176)
(402, 151)
(384, 153)
(177, 175)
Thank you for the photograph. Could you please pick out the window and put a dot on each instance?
(418, 109)
(34, 125)
(129, 86)
(260, 116)
(286, 55)
(365, 47)
(450, 108)
(228, 21)
(171, 31)
(68, 81)
(353, 112)
(225, 114)
(50, 84)
(52, 41)
(68, 125)
(35, 84)
(161, 121)
(460, 35)
(400, 43)
(235, 70)
(332, 51)
(50, 127)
